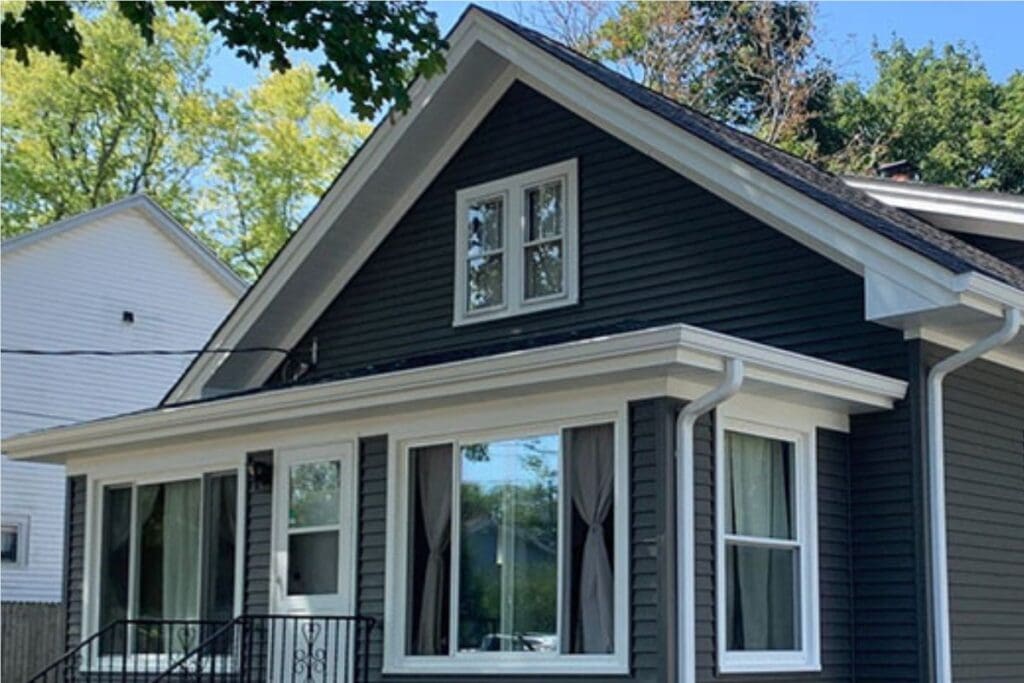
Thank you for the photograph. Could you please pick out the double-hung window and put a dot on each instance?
(767, 577)
(509, 556)
(14, 542)
(167, 553)
(517, 244)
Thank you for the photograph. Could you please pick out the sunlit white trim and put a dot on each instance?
(803, 437)
(470, 426)
(679, 349)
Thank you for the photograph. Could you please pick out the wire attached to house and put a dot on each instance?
(143, 352)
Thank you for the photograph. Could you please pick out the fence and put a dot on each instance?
(32, 636)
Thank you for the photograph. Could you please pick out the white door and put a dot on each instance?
(313, 562)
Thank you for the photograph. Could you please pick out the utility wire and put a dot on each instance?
(142, 352)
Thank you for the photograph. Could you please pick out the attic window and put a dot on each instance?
(517, 244)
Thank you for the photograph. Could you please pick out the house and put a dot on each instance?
(125, 276)
(580, 385)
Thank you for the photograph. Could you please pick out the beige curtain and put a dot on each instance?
(591, 469)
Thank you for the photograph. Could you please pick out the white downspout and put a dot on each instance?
(685, 547)
(937, 485)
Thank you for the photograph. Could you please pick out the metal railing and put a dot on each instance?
(267, 648)
(128, 651)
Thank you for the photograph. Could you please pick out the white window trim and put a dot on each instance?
(808, 657)
(21, 524)
(396, 661)
(511, 189)
(94, 536)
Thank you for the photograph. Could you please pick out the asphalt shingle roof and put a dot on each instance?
(821, 186)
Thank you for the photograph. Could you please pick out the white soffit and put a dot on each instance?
(975, 212)
(484, 60)
(679, 352)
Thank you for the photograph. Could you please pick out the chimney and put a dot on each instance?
(901, 171)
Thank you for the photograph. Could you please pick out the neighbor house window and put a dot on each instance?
(167, 552)
(767, 611)
(517, 244)
(14, 542)
(510, 551)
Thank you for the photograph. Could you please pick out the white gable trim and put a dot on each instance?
(156, 215)
(831, 234)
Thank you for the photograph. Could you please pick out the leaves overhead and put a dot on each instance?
(372, 50)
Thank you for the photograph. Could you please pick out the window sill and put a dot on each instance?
(462, 318)
(494, 664)
(768, 662)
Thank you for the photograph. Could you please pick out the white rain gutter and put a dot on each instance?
(686, 593)
(937, 484)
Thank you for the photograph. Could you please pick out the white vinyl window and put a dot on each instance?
(767, 592)
(512, 554)
(167, 550)
(516, 248)
(14, 542)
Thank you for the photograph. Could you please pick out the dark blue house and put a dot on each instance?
(579, 384)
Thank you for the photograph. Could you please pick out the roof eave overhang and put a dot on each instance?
(682, 352)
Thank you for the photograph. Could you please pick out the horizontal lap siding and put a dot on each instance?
(258, 504)
(74, 561)
(836, 579)
(655, 249)
(984, 423)
(651, 586)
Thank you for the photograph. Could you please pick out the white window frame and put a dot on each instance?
(511, 189)
(808, 657)
(94, 540)
(21, 526)
(396, 661)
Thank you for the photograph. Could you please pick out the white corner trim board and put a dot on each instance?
(686, 590)
(937, 485)
(683, 350)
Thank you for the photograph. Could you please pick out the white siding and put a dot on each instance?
(34, 492)
(69, 291)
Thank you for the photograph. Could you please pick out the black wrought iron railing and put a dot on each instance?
(266, 648)
(128, 651)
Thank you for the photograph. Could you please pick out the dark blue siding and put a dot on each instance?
(655, 249)
(984, 413)
(1011, 251)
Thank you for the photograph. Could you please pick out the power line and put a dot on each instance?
(142, 352)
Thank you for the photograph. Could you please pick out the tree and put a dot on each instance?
(749, 64)
(282, 143)
(135, 117)
(939, 109)
(372, 50)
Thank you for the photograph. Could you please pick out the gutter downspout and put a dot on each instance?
(685, 545)
(937, 485)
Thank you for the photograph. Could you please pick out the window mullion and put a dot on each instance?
(456, 541)
(515, 277)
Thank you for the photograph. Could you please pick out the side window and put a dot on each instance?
(14, 541)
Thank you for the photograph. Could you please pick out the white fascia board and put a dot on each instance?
(984, 213)
(672, 349)
(352, 180)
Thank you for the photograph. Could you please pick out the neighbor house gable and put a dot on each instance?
(933, 271)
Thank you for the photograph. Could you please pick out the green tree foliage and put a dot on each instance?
(135, 117)
(938, 109)
(371, 49)
(281, 145)
(750, 64)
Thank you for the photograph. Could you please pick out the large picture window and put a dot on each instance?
(766, 568)
(167, 552)
(510, 548)
(517, 244)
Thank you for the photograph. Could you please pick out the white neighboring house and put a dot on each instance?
(123, 276)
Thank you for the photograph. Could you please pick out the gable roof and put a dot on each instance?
(487, 53)
(824, 187)
(156, 214)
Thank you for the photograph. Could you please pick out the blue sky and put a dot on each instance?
(846, 32)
